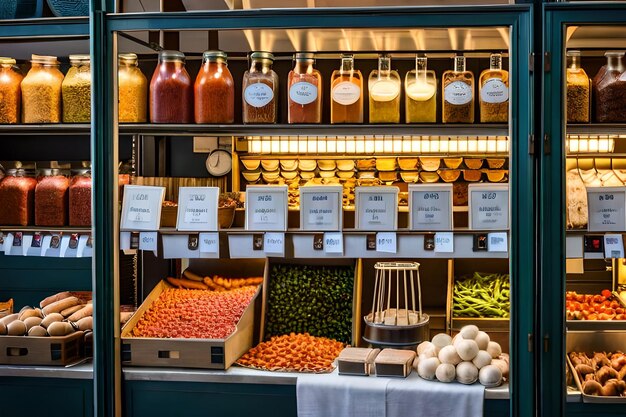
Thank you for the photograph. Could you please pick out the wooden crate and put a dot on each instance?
(356, 294)
(194, 353)
(29, 350)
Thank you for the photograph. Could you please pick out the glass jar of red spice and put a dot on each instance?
(260, 90)
(214, 90)
(51, 198)
(305, 91)
(80, 198)
(171, 90)
(17, 194)
(10, 91)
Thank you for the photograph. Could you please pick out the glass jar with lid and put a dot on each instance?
(51, 198)
(346, 90)
(304, 90)
(80, 198)
(171, 90)
(17, 193)
(493, 93)
(132, 90)
(384, 88)
(578, 90)
(214, 90)
(41, 91)
(10, 91)
(458, 94)
(420, 86)
(76, 90)
(609, 88)
(260, 90)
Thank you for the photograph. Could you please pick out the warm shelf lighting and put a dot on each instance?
(591, 144)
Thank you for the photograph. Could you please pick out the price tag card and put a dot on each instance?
(430, 207)
(148, 241)
(320, 207)
(444, 242)
(64, 246)
(376, 208)
(497, 242)
(333, 242)
(613, 246)
(83, 250)
(274, 244)
(386, 242)
(606, 209)
(266, 207)
(488, 206)
(197, 208)
(209, 243)
(141, 207)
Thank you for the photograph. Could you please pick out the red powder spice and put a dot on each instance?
(214, 90)
(51, 200)
(17, 194)
(171, 90)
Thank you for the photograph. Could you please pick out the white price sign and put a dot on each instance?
(430, 206)
(497, 242)
(274, 244)
(333, 242)
(197, 208)
(266, 208)
(209, 242)
(444, 242)
(386, 242)
(489, 206)
(141, 208)
(613, 246)
(377, 208)
(606, 208)
(320, 207)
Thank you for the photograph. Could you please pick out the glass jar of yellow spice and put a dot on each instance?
(76, 90)
(132, 91)
(420, 86)
(41, 91)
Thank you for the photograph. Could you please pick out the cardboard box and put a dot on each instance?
(30, 350)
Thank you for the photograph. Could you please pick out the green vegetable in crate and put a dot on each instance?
(482, 295)
(310, 299)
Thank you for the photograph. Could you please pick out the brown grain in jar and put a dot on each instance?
(41, 91)
(10, 91)
(80, 199)
(51, 198)
(17, 194)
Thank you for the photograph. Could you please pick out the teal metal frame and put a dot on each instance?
(104, 137)
(551, 360)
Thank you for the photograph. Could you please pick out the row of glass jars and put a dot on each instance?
(44, 95)
(175, 99)
(50, 199)
(606, 93)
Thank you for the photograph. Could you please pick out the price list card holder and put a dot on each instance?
(430, 207)
(320, 208)
(606, 209)
(266, 208)
(141, 212)
(376, 208)
(488, 206)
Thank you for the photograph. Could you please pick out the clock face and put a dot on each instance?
(219, 162)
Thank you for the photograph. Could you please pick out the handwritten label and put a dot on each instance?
(444, 242)
(494, 91)
(266, 208)
(139, 209)
(613, 246)
(497, 242)
(148, 241)
(197, 208)
(606, 209)
(430, 209)
(320, 209)
(209, 242)
(386, 242)
(346, 93)
(333, 242)
(490, 208)
(374, 209)
(274, 243)
(303, 93)
(458, 93)
(196, 211)
(258, 94)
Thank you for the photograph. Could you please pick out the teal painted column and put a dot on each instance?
(107, 370)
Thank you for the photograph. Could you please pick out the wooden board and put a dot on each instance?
(29, 350)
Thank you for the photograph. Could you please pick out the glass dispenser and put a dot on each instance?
(609, 88)
(458, 94)
(420, 86)
(578, 90)
(305, 91)
(346, 105)
(494, 92)
(384, 89)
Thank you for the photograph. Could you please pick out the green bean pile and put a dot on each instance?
(310, 299)
(482, 295)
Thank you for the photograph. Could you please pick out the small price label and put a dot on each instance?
(274, 243)
(444, 242)
(613, 246)
(148, 241)
(266, 208)
(606, 208)
(333, 242)
(386, 242)
(498, 242)
(209, 242)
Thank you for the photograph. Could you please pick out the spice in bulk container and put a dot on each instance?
(458, 94)
(260, 90)
(609, 89)
(132, 90)
(493, 94)
(304, 90)
(10, 91)
(51, 198)
(420, 86)
(346, 90)
(384, 89)
(17, 194)
(171, 90)
(578, 91)
(41, 91)
(76, 90)
(80, 198)
(214, 90)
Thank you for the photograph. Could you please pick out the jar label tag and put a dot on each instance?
(303, 93)
(494, 91)
(346, 93)
(458, 93)
(258, 94)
